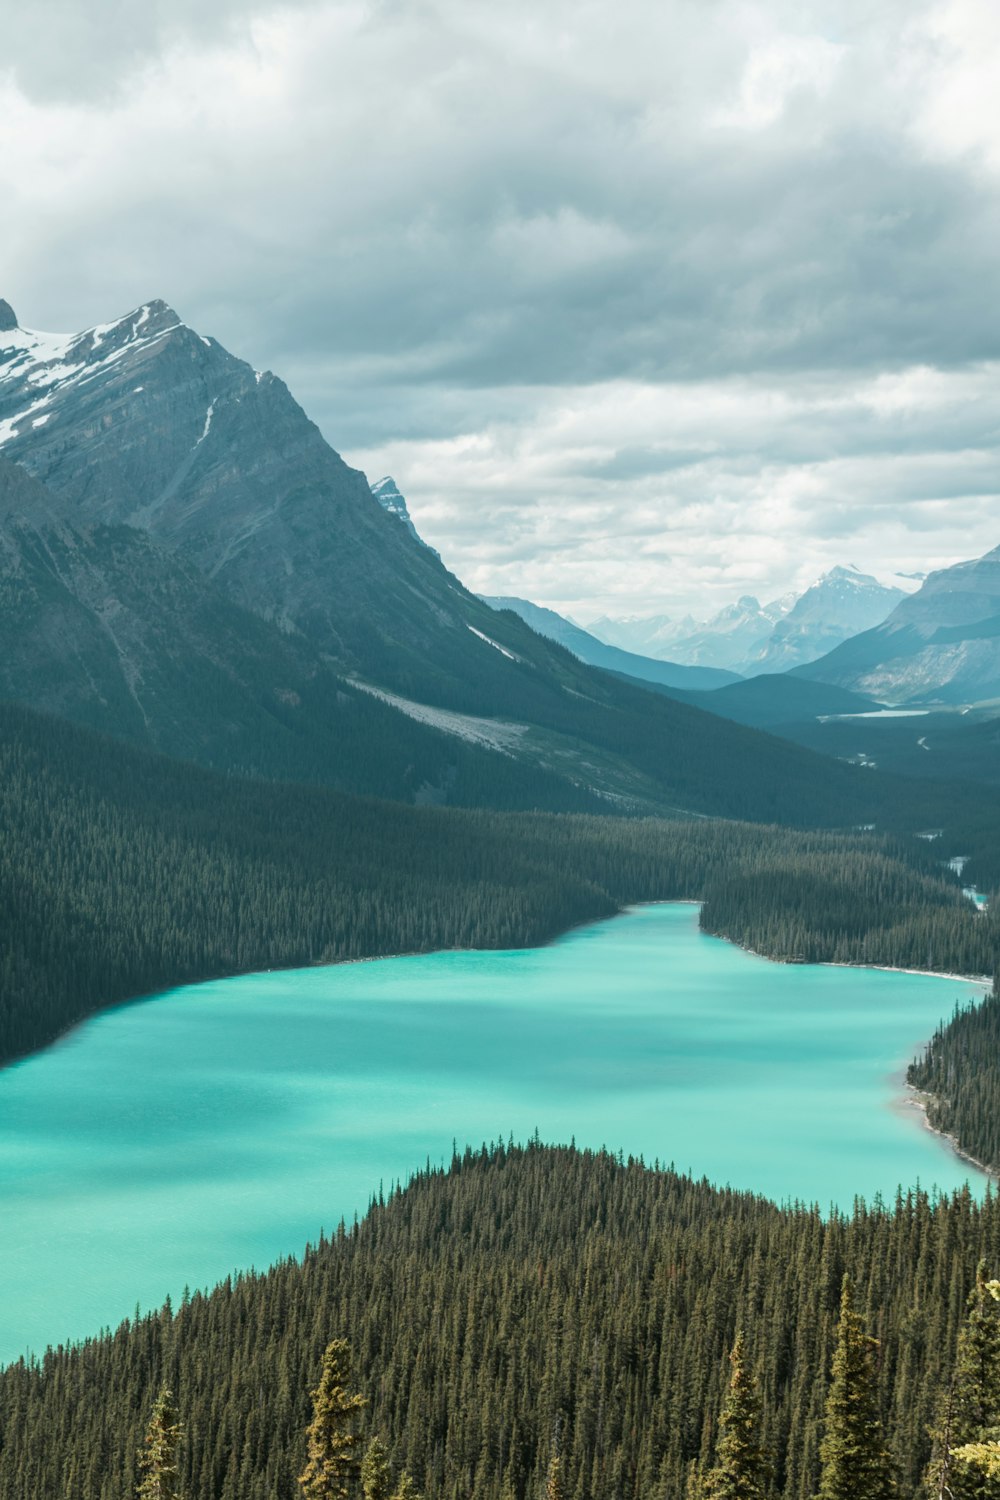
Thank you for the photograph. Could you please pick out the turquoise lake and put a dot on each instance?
(167, 1142)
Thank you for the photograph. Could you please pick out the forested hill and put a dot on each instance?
(960, 1070)
(122, 873)
(527, 1302)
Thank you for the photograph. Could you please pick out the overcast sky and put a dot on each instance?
(644, 304)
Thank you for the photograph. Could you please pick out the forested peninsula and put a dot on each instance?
(535, 1301)
(123, 873)
(960, 1072)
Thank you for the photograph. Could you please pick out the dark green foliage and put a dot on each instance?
(970, 1409)
(523, 1293)
(334, 1442)
(376, 1472)
(960, 1071)
(855, 1462)
(741, 1467)
(158, 1455)
(122, 873)
(555, 1488)
(819, 904)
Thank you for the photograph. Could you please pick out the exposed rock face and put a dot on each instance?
(387, 494)
(842, 603)
(942, 643)
(190, 502)
(145, 422)
(8, 321)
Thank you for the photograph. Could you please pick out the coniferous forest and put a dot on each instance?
(122, 873)
(532, 1303)
(960, 1071)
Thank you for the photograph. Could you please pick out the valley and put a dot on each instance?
(254, 731)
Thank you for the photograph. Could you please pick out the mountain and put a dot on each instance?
(737, 634)
(101, 625)
(749, 637)
(645, 635)
(840, 604)
(589, 649)
(939, 644)
(387, 493)
(144, 423)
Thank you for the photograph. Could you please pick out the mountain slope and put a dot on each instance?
(767, 702)
(733, 637)
(840, 604)
(145, 423)
(101, 625)
(942, 643)
(589, 649)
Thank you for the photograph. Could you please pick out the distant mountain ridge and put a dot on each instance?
(588, 648)
(145, 426)
(939, 644)
(749, 638)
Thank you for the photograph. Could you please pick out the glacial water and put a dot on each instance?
(168, 1142)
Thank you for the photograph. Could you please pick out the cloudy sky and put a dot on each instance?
(644, 304)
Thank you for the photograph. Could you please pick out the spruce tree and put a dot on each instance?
(376, 1473)
(741, 1468)
(158, 1455)
(334, 1463)
(406, 1489)
(855, 1463)
(555, 1485)
(970, 1413)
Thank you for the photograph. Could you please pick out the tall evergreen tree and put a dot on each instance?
(855, 1464)
(970, 1413)
(376, 1472)
(741, 1467)
(158, 1455)
(334, 1463)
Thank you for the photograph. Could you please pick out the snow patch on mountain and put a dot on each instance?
(36, 367)
(510, 655)
(387, 493)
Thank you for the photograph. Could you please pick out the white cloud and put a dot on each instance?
(685, 496)
(647, 300)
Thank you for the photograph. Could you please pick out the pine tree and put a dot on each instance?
(334, 1461)
(376, 1473)
(855, 1464)
(158, 1456)
(970, 1413)
(555, 1485)
(741, 1468)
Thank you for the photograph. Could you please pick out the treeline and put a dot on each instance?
(836, 902)
(960, 1070)
(526, 1302)
(122, 873)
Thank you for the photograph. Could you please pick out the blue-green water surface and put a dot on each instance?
(167, 1142)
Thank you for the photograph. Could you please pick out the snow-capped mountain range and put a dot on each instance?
(751, 638)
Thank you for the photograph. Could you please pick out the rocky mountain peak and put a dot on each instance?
(388, 495)
(8, 319)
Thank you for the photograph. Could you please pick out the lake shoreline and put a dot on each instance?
(919, 1099)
